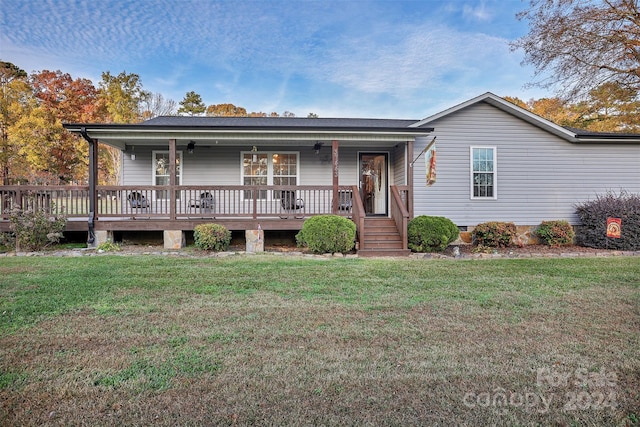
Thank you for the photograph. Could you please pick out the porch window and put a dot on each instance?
(161, 172)
(483, 173)
(254, 171)
(269, 168)
(285, 170)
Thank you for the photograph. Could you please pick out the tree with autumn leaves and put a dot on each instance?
(607, 108)
(36, 149)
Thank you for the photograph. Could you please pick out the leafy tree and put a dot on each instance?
(51, 154)
(71, 100)
(607, 108)
(192, 104)
(122, 96)
(583, 44)
(226, 110)
(45, 147)
(312, 116)
(610, 108)
(16, 97)
(156, 105)
(553, 109)
(124, 100)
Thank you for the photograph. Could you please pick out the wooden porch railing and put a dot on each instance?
(203, 202)
(175, 202)
(73, 201)
(400, 211)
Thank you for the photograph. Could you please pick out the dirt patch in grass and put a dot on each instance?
(267, 359)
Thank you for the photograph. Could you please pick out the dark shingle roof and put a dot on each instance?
(587, 133)
(277, 122)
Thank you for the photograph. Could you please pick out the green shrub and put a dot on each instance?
(327, 233)
(212, 237)
(36, 228)
(555, 233)
(593, 216)
(494, 234)
(431, 233)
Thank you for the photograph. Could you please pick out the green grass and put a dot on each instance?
(121, 340)
(35, 288)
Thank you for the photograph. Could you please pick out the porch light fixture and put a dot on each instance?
(317, 147)
(191, 146)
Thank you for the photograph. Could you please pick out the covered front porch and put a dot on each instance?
(246, 174)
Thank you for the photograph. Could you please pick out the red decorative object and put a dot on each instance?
(614, 227)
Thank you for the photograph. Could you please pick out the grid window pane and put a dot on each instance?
(483, 172)
(161, 173)
(269, 169)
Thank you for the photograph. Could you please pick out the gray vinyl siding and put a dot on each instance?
(222, 165)
(398, 165)
(539, 176)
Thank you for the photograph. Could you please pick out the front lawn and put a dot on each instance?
(140, 340)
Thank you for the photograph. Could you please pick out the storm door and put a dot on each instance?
(374, 182)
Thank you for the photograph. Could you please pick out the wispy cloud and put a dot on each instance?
(373, 56)
(478, 12)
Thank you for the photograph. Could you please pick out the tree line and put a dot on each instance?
(35, 148)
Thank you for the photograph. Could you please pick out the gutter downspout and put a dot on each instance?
(92, 184)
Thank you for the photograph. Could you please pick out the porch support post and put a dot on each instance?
(334, 162)
(172, 179)
(409, 163)
(93, 193)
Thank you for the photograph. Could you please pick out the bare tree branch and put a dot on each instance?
(576, 45)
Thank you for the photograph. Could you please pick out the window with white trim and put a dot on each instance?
(269, 168)
(160, 172)
(483, 173)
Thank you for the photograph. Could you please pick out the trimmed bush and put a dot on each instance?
(327, 233)
(212, 237)
(35, 229)
(593, 216)
(555, 233)
(431, 233)
(494, 234)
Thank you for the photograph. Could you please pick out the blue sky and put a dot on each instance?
(387, 59)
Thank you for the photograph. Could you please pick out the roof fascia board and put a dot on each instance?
(613, 139)
(76, 127)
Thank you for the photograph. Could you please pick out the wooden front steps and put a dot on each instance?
(382, 239)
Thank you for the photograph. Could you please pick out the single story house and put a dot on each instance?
(495, 161)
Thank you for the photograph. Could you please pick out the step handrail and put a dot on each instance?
(400, 215)
(358, 215)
